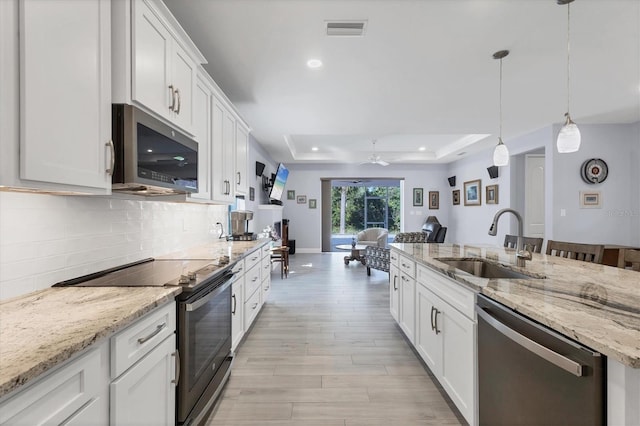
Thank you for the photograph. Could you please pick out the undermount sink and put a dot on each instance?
(484, 269)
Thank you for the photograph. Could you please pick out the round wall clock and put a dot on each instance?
(594, 170)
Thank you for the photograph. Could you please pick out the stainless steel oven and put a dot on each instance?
(204, 344)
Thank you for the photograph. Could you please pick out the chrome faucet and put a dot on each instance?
(522, 255)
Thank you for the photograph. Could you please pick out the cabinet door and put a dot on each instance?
(237, 311)
(151, 52)
(428, 342)
(65, 92)
(183, 80)
(228, 151)
(407, 306)
(394, 291)
(202, 132)
(145, 394)
(221, 151)
(459, 352)
(242, 151)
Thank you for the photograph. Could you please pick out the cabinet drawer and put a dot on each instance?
(266, 267)
(251, 281)
(394, 258)
(266, 251)
(251, 308)
(407, 266)
(252, 259)
(239, 267)
(59, 395)
(453, 293)
(133, 343)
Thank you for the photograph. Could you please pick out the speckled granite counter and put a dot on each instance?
(42, 329)
(596, 305)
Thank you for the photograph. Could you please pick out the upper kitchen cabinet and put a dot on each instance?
(56, 95)
(242, 152)
(154, 62)
(202, 118)
(223, 151)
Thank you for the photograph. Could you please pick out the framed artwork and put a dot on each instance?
(291, 194)
(302, 199)
(418, 194)
(456, 197)
(252, 193)
(434, 199)
(590, 200)
(491, 194)
(312, 203)
(473, 193)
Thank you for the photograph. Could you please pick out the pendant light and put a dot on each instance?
(500, 153)
(569, 136)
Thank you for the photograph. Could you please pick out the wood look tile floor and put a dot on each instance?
(326, 351)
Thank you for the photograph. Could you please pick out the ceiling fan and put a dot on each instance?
(375, 158)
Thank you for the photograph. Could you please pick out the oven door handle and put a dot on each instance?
(190, 307)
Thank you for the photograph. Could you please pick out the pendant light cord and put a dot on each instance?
(568, 54)
(500, 100)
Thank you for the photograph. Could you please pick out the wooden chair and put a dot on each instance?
(584, 252)
(629, 256)
(511, 241)
(281, 254)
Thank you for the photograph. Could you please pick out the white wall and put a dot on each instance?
(617, 221)
(45, 239)
(305, 223)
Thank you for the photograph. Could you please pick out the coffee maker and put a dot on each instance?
(240, 225)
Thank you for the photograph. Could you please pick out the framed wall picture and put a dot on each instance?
(312, 203)
(291, 194)
(491, 196)
(473, 193)
(252, 193)
(434, 199)
(590, 200)
(456, 197)
(418, 194)
(301, 199)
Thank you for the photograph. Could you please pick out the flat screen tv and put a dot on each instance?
(279, 182)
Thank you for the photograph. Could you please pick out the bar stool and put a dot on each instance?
(281, 254)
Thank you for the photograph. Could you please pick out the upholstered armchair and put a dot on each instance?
(378, 257)
(373, 237)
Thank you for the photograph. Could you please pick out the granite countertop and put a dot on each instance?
(596, 305)
(41, 330)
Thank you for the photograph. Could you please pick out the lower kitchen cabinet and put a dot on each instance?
(237, 305)
(407, 314)
(146, 393)
(394, 291)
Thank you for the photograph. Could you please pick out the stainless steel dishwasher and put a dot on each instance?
(531, 375)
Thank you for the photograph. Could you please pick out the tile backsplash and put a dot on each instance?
(49, 238)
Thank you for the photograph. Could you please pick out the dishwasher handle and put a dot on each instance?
(553, 357)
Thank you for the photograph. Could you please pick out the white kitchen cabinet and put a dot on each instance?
(445, 338)
(203, 97)
(67, 394)
(154, 62)
(242, 160)
(56, 95)
(145, 394)
(222, 149)
(266, 272)
(237, 305)
(407, 313)
(394, 291)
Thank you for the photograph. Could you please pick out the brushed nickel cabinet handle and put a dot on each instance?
(254, 305)
(177, 355)
(155, 332)
(433, 327)
(435, 321)
(172, 93)
(395, 283)
(239, 178)
(233, 311)
(179, 101)
(112, 152)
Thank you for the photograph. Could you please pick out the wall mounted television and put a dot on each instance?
(277, 187)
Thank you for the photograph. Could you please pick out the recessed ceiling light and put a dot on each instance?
(314, 63)
(422, 148)
(149, 150)
(461, 153)
(314, 148)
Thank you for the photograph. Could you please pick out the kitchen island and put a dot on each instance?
(595, 305)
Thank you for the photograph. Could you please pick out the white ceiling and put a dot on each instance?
(422, 75)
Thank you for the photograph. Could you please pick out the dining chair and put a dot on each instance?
(281, 255)
(629, 256)
(511, 241)
(577, 251)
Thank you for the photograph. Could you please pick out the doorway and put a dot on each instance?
(353, 205)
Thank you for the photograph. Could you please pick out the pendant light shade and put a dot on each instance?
(569, 136)
(501, 152)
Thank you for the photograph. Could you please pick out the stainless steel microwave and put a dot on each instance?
(151, 158)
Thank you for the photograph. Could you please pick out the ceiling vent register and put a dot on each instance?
(346, 28)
